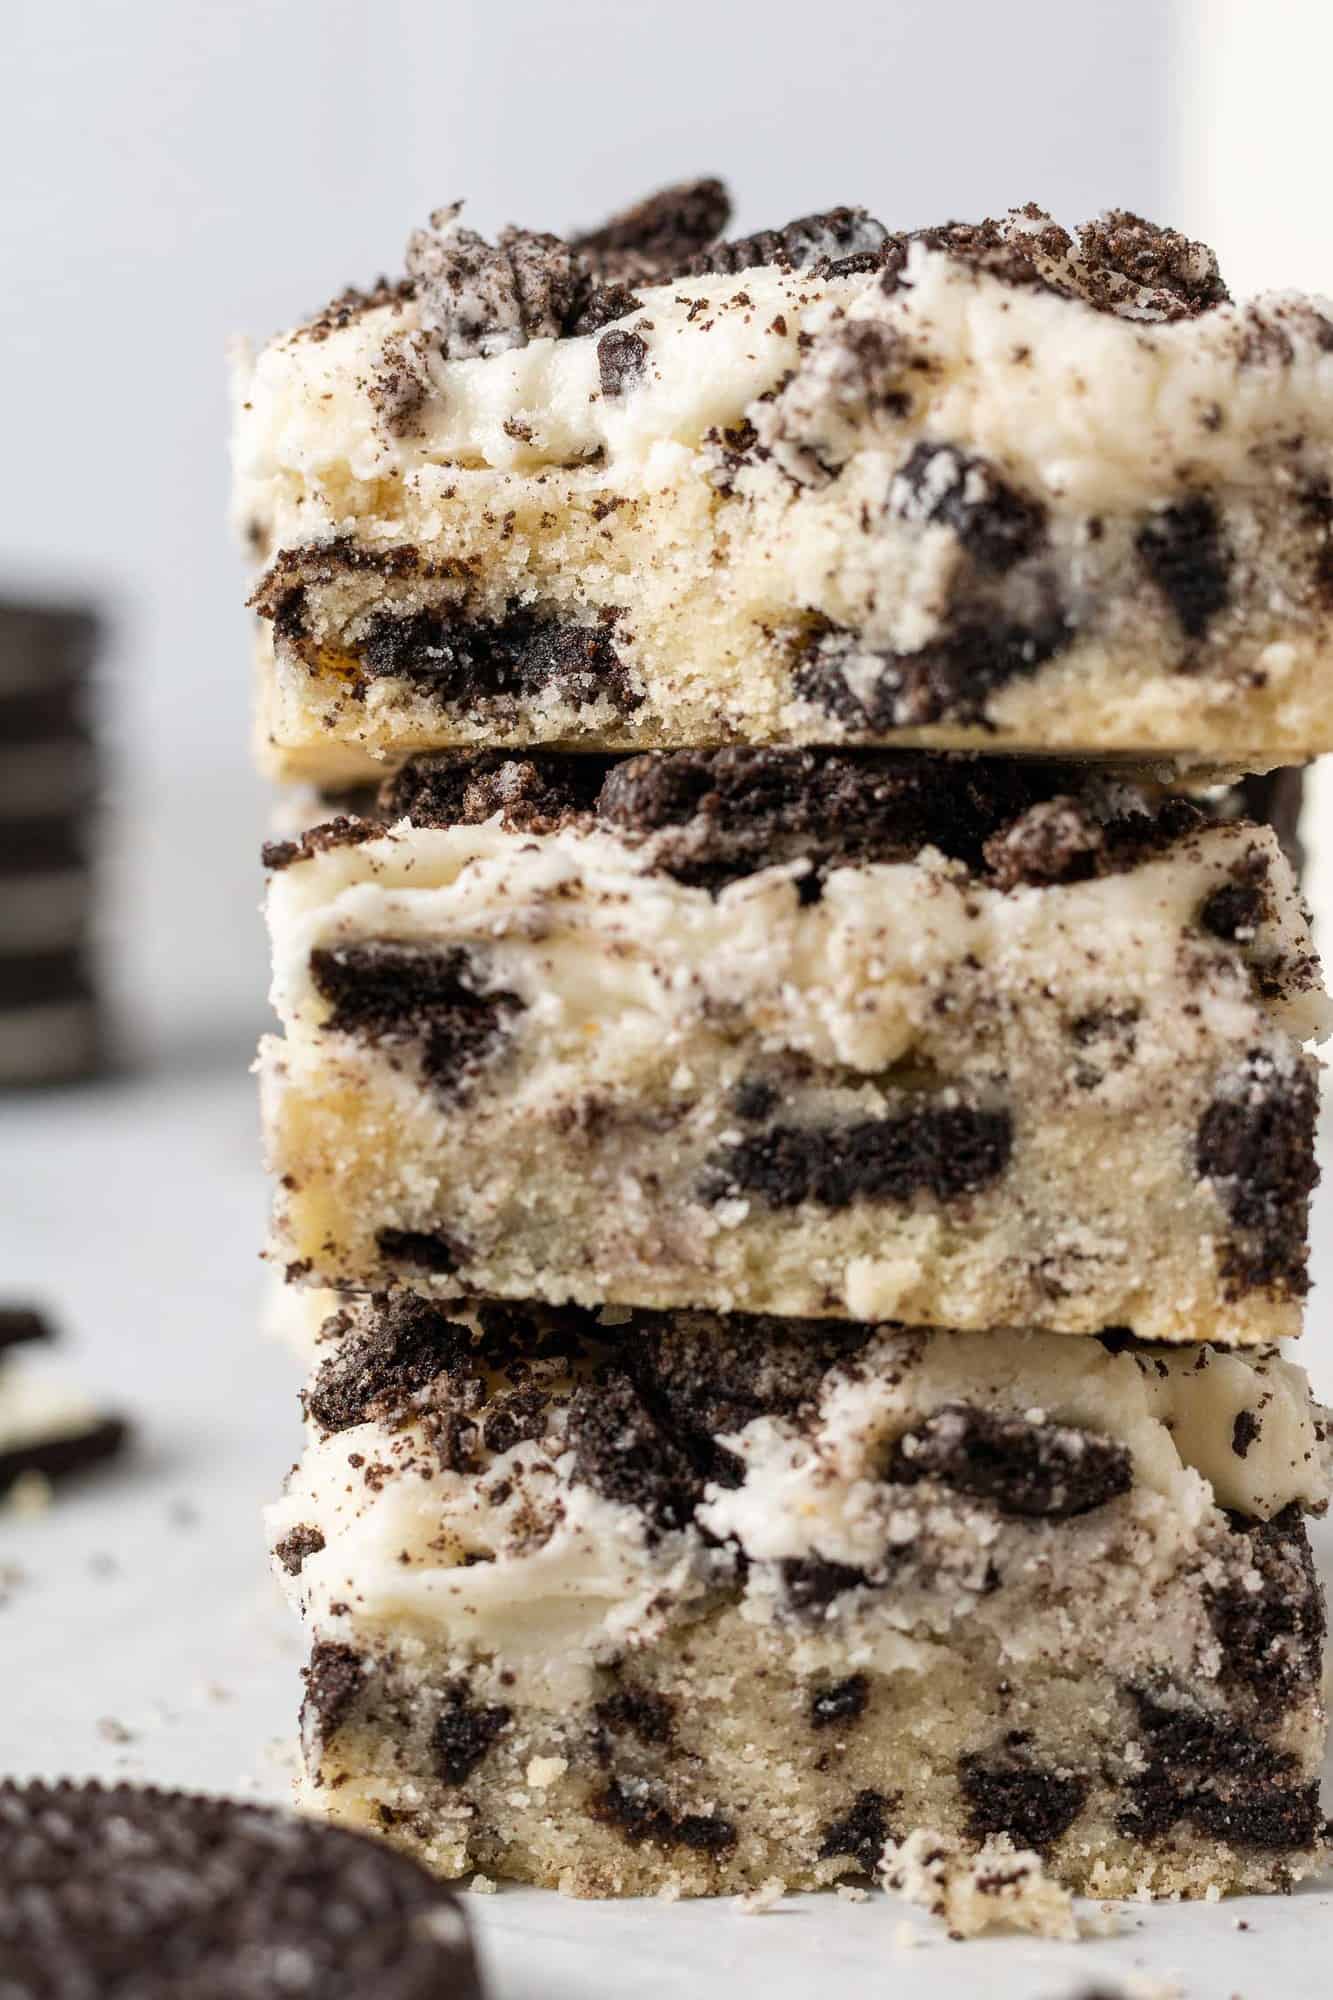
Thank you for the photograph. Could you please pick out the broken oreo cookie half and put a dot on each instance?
(46, 1427)
(108, 1892)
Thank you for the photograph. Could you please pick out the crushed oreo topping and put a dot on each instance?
(293, 1549)
(829, 238)
(342, 831)
(623, 1451)
(622, 357)
(1008, 1790)
(382, 1373)
(658, 237)
(479, 298)
(125, 1892)
(464, 1733)
(1037, 1470)
(534, 791)
(1235, 911)
(938, 1148)
(1256, 1145)
(1117, 264)
(862, 1833)
(719, 814)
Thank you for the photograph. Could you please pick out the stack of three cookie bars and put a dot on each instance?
(793, 1130)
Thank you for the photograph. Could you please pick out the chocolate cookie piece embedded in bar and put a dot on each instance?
(118, 1888)
(974, 1043)
(698, 1600)
(820, 483)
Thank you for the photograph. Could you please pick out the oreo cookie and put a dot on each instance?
(53, 1437)
(50, 1028)
(108, 1892)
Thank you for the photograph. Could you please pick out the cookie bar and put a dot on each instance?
(992, 485)
(119, 1890)
(631, 1601)
(973, 1044)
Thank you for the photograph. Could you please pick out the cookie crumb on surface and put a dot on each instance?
(976, 1889)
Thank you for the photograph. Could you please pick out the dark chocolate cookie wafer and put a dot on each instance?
(130, 1893)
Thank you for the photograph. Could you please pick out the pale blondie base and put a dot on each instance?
(543, 1060)
(651, 1602)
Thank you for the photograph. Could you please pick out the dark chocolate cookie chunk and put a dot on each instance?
(1034, 1469)
(128, 1893)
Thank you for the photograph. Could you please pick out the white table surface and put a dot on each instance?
(141, 1636)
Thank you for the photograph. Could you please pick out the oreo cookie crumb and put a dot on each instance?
(533, 791)
(1184, 553)
(333, 1680)
(385, 989)
(420, 1250)
(949, 680)
(811, 1585)
(632, 1810)
(344, 831)
(1271, 1623)
(1040, 1471)
(841, 1701)
(862, 1833)
(1206, 1768)
(1256, 1145)
(293, 1549)
(457, 660)
(830, 237)
(1244, 1432)
(624, 1453)
(381, 1373)
(996, 524)
(622, 357)
(660, 234)
(463, 1735)
(637, 1712)
(946, 1150)
(1007, 1790)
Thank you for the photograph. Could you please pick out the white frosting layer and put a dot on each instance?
(1091, 409)
(580, 927)
(568, 1578)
